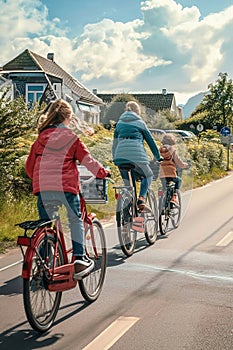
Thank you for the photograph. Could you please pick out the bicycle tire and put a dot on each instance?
(176, 212)
(91, 285)
(124, 216)
(151, 218)
(41, 305)
(164, 217)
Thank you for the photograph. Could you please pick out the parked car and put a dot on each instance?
(158, 133)
(186, 135)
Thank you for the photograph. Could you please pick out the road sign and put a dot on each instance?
(200, 127)
(225, 131)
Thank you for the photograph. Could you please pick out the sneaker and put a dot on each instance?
(174, 200)
(141, 204)
(82, 266)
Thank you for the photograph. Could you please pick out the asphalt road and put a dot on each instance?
(176, 294)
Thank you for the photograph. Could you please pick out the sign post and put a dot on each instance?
(226, 139)
(200, 128)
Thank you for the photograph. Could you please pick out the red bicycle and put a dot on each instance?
(48, 264)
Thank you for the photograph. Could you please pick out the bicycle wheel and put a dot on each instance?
(124, 214)
(41, 305)
(164, 214)
(175, 212)
(91, 285)
(151, 219)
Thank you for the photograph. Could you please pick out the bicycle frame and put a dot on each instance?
(169, 213)
(138, 221)
(167, 193)
(61, 277)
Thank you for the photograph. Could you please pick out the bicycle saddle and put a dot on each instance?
(126, 166)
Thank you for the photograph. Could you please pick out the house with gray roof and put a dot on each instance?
(153, 101)
(41, 79)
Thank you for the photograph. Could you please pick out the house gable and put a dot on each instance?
(30, 61)
(36, 77)
(23, 62)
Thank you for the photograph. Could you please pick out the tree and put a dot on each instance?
(116, 108)
(16, 124)
(219, 100)
(217, 103)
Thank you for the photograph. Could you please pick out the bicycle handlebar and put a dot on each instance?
(92, 178)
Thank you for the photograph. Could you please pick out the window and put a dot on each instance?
(34, 93)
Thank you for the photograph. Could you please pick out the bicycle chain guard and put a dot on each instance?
(138, 224)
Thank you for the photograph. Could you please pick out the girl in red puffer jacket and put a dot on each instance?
(52, 167)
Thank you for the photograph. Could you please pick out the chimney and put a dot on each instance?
(94, 91)
(50, 56)
(164, 91)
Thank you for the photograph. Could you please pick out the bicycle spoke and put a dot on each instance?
(127, 236)
(91, 285)
(151, 219)
(40, 304)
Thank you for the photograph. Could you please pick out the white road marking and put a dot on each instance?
(8, 266)
(225, 240)
(112, 333)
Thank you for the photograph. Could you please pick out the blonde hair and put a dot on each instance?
(54, 114)
(169, 139)
(133, 106)
(80, 126)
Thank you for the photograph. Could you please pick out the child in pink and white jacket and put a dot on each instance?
(171, 161)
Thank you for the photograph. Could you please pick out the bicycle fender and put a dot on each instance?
(27, 263)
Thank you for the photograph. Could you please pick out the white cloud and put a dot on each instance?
(172, 46)
(23, 25)
(113, 50)
(194, 46)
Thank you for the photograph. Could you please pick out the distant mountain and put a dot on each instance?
(191, 104)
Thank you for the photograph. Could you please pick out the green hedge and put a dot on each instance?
(208, 160)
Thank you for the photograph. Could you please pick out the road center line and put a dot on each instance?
(112, 333)
(225, 240)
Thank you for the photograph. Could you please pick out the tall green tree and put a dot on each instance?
(17, 124)
(219, 100)
(217, 104)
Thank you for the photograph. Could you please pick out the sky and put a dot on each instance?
(125, 46)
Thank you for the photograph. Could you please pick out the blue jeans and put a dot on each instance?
(142, 171)
(72, 204)
(177, 180)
